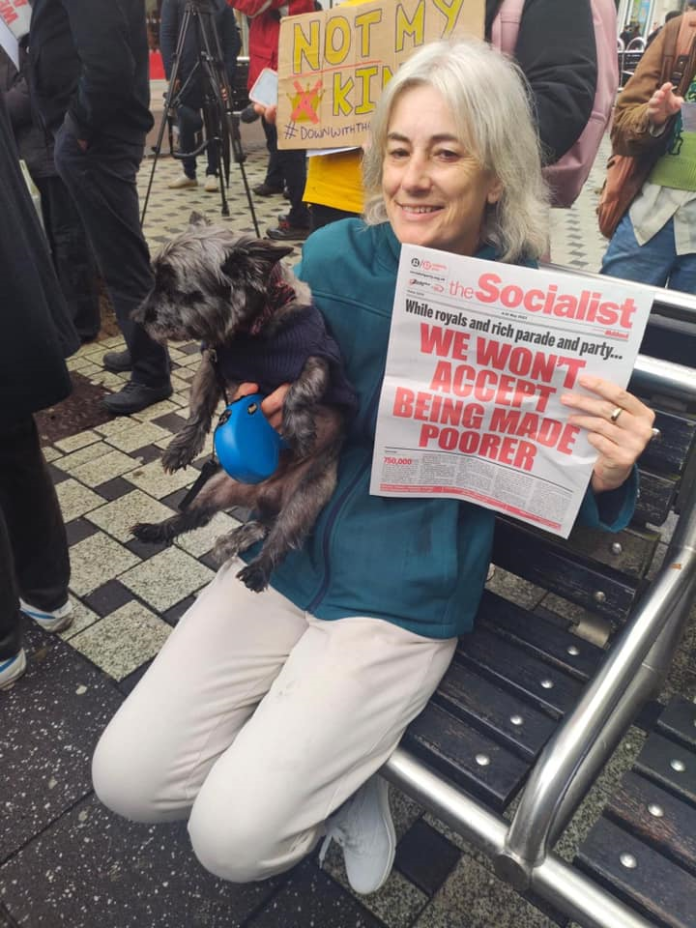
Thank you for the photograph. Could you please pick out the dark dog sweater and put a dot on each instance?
(270, 362)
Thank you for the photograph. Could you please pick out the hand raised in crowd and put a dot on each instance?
(619, 427)
(663, 104)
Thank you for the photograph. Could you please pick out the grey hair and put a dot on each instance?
(490, 102)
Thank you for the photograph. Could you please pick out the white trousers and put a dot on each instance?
(257, 721)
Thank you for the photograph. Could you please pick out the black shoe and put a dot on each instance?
(249, 114)
(134, 397)
(265, 190)
(285, 232)
(118, 362)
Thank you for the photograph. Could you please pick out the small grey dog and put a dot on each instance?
(258, 324)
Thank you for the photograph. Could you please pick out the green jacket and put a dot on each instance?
(420, 563)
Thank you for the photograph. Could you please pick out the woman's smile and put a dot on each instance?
(435, 191)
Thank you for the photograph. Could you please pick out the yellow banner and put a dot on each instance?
(333, 65)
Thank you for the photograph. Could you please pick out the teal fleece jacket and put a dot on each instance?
(420, 563)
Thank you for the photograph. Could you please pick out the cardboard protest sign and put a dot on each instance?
(480, 354)
(333, 65)
(16, 14)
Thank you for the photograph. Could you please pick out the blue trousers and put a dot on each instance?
(656, 262)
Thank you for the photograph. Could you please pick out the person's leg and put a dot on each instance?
(294, 166)
(72, 255)
(190, 123)
(33, 518)
(10, 629)
(102, 181)
(206, 681)
(330, 720)
(683, 276)
(651, 263)
(320, 215)
(274, 175)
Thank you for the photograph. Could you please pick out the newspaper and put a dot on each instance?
(16, 15)
(479, 355)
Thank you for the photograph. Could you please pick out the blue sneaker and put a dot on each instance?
(12, 669)
(54, 621)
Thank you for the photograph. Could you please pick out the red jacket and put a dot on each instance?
(264, 29)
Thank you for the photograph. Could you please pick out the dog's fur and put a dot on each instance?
(209, 284)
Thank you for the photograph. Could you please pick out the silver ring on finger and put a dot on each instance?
(615, 413)
(656, 435)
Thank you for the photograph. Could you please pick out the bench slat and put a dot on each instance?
(669, 764)
(668, 455)
(521, 671)
(672, 831)
(659, 887)
(465, 694)
(546, 640)
(657, 496)
(637, 546)
(447, 743)
(679, 721)
(547, 565)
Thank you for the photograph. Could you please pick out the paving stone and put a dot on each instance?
(166, 578)
(108, 598)
(173, 615)
(113, 489)
(310, 898)
(108, 466)
(118, 517)
(124, 640)
(75, 442)
(76, 500)
(425, 857)
(96, 560)
(78, 529)
(83, 455)
(200, 541)
(139, 434)
(50, 721)
(93, 868)
(152, 479)
(83, 617)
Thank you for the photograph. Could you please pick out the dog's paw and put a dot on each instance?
(176, 458)
(254, 577)
(149, 532)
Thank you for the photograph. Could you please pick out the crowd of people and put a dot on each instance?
(265, 718)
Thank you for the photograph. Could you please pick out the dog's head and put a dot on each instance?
(209, 283)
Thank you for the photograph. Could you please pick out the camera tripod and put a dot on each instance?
(220, 122)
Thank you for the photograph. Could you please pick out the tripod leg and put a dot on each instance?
(169, 107)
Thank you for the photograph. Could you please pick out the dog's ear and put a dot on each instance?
(254, 252)
(198, 219)
(263, 250)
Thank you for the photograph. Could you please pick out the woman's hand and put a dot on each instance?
(619, 427)
(272, 406)
(663, 104)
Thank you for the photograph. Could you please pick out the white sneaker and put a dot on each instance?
(211, 184)
(54, 621)
(182, 181)
(363, 827)
(12, 669)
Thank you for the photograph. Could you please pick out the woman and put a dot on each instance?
(264, 714)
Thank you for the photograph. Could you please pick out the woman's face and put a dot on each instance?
(435, 191)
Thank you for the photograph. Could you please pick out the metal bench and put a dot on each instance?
(530, 711)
